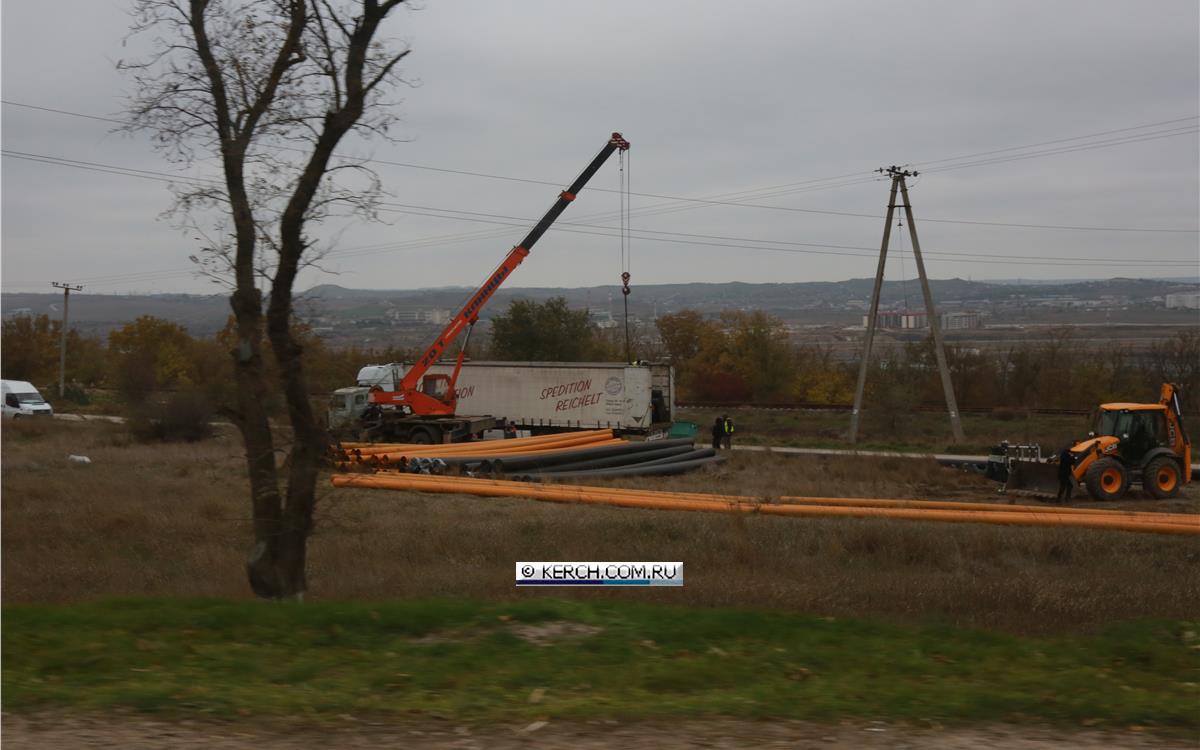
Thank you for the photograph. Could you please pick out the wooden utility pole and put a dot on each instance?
(62, 353)
(898, 184)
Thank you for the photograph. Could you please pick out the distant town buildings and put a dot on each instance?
(913, 319)
(602, 319)
(1186, 300)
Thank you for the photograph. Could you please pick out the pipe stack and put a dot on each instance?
(564, 455)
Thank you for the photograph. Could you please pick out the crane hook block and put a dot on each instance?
(619, 141)
(625, 283)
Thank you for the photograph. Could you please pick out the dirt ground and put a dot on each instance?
(60, 731)
(172, 520)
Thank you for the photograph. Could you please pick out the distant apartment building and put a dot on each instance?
(1185, 300)
(910, 319)
(435, 316)
(602, 319)
(960, 320)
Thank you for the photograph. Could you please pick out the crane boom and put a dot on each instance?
(431, 401)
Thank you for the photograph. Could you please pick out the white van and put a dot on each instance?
(21, 399)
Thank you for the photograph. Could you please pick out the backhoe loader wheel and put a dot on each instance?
(1107, 479)
(1161, 478)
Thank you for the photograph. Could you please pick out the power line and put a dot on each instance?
(1070, 149)
(730, 199)
(1058, 140)
(460, 213)
(455, 213)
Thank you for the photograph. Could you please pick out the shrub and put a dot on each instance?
(185, 416)
(76, 394)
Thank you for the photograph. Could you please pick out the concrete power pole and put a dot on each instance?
(897, 174)
(935, 324)
(873, 314)
(62, 353)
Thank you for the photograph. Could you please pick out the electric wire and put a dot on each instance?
(627, 233)
(731, 199)
(624, 231)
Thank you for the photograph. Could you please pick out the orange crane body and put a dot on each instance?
(433, 395)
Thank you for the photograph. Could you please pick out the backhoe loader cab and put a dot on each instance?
(1139, 427)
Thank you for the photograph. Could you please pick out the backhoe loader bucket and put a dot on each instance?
(1032, 476)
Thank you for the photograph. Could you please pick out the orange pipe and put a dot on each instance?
(373, 448)
(488, 448)
(533, 451)
(1146, 516)
(565, 493)
(990, 507)
(387, 462)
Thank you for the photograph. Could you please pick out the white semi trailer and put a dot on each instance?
(535, 396)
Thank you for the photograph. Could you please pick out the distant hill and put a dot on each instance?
(334, 306)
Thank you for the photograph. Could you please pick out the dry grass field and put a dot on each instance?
(171, 520)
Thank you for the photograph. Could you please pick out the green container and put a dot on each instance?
(683, 430)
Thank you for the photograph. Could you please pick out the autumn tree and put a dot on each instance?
(149, 354)
(271, 88)
(549, 331)
(682, 334)
(31, 352)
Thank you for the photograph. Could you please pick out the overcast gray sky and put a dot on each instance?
(717, 99)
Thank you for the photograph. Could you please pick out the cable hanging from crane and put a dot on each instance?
(625, 170)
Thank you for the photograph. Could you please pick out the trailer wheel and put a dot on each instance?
(1162, 478)
(1107, 479)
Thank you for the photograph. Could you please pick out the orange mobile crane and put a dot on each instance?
(422, 407)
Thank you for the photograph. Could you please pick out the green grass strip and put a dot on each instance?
(482, 662)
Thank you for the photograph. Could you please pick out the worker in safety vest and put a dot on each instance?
(727, 433)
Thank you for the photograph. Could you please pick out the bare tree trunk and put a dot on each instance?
(265, 88)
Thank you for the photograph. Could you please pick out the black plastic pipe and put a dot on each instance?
(523, 463)
(578, 454)
(686, 456)
(637, 470)
(621, 460)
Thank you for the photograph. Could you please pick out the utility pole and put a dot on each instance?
(898, 174)
(873, 314)
(62, 353)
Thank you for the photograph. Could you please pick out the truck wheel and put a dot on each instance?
(1162, 478)
(1107, 479)
(422, 436)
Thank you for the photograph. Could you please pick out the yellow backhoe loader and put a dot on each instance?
(1129, 444)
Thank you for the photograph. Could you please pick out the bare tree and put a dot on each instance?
(270, 88)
